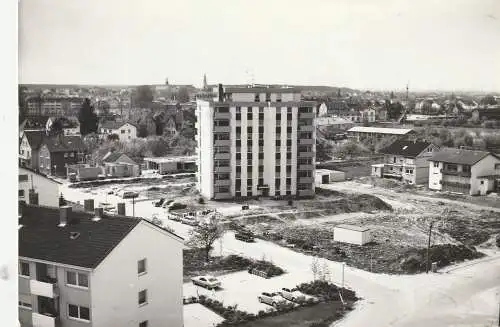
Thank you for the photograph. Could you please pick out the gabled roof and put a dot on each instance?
(115, 124)
(41, 237)
(461, 156)
(31, 171)
(64, 143)
(408, 149)
(113, 156)
(34, 138)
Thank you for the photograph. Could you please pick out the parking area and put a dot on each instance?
(196, 315)
(243, 289)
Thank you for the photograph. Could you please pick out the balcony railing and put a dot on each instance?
(306, 141)
(222, 115)
(306, 128)
(222, 129)
(222, 142)
(455, 173)
(306, 193)
(222, 195)
(306, 180)
(44, 319)
(306, 154)
(222, 182)
(47, 287)
(306, 115)
(306, 167)
(222, 156)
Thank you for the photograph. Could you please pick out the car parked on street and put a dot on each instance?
(188, 220)
(292, 294)
(273, 299)
(159, 203)
(174, 217)
(129, 195)
(209, 282)
(245, 236)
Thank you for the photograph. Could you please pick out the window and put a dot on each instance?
(21, 193)
(278, 155)
(78, 312)
(238, 116)
(278, 116)
(77, 279)
(128, 131)
(257, 97)
(436, 164)
(261, 117)
(249, 116)
(278, 142)
(122, 131)
(143, 297)
(72, 154)
(141, 266)
(143, 323)
(25, 305)
(24, 269)
(249, 129)
(65, 154)
(238, 129)
(278, 129)
(289, 110)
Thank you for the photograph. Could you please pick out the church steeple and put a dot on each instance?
(205, 85)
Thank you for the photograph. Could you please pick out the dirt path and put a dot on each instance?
(400, 200)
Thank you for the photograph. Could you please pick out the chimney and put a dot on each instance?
(221, 93)
(99, 212)
(64, 213)
(88, 205)
(120, 209)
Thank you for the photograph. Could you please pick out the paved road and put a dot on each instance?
(463, 297)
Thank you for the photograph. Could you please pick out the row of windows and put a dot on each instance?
(276, 193)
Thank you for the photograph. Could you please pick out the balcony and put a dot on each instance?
(44, 319)
(306, 128)
(223, 169)
(225, 156)
(222, 195)
(455, 173)
(309, 154)
(222, 142)
(222, 115)
(306, 193)
(47, 288)
(222, 182)
(306, 141)
(306, 115)
(306, 180)
(222, 129)
(306, 167)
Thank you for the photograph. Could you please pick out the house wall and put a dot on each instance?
(116, 284)
(435, 175)
(205, 150)
(48, 190)
(44, 161)
(351, 236)
(126, 132)
(484, 167)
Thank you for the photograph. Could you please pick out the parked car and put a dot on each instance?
(292, 294)
(273, 299)
(159, 203)
(245, 236)
(209, 282)
(174, 217)
(130, 195)
(189, 221)
(167, 203)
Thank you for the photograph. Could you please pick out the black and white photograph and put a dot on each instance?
(278, 163)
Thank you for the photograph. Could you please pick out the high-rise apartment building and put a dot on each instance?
(256, 141)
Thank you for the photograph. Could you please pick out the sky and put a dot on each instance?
(363, 44)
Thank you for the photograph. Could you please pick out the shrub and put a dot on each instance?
(201, 200)
(498, 241)
(177, 206)
(268, 267)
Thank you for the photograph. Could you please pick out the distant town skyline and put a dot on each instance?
(366, 45)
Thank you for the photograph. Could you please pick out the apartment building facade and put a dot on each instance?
(464, 171)
(53, 106)
(256, 141)
(407, 161)
(106, 271)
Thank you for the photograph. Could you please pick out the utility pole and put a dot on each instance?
(133, 207)
(429, 248)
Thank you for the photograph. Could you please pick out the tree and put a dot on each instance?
(205, 234)
(87, 118)
(56, 128)
(395, 110)
(142, 131)
(143, 96)
(22, 102)
(315, 267)
(113, 137)
(350, 149)
(183, 95)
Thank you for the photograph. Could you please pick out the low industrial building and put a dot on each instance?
(171, 165)
(352, 234)
(83, 172)
(327, 176)
(379, 132)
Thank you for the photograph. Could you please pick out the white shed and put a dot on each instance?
(352, 234)
(327, 176)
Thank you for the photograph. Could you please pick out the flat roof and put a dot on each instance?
(353, 227)
(171, 159)
(327, 171)
(381, 130)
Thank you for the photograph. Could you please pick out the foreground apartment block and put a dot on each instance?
(256, 141)
(465, 171)
(84, 269)
(407, 161)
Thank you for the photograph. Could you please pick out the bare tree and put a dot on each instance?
(315, 267)
(205, 234)
(326, 271)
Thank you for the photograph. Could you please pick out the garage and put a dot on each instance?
(352, 234)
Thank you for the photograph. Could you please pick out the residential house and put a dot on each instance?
(29, 147)
(406, 161)
(57, 152)
(381, 114)
(335, 122)
(70, 125)
(118, 164)
(124, 130)
(464, 171)
(368, 115)
(170, 127)
(37, 189)
(171, 165)
(96, 270)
